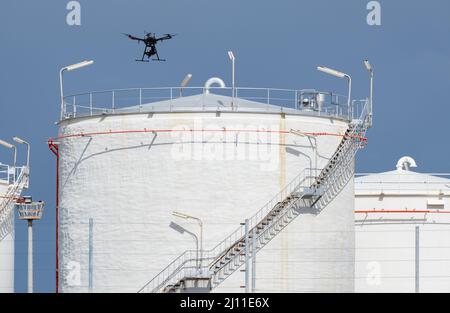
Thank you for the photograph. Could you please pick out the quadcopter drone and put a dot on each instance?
(150, 40)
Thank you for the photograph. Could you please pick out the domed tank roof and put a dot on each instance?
(401, 179)
(208, 101)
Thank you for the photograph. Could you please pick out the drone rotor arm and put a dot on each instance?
(133, 37)
(165, 37)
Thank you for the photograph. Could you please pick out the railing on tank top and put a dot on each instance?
(307, 101)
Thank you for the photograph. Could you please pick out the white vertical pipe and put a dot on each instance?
(30, 256)
(350, 109)
(417, 260)
(91, 253)
(90, 102)
(61, 89)
(247, 259)
(233, 81)
(254, 261)
(371, 96)
(201, 243)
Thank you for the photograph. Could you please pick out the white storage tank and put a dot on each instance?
(6, 236)
(392, 208)
(124, 170)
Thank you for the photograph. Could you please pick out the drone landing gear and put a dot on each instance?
(162, 60)
(142, 60)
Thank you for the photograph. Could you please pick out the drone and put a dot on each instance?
(150, 40)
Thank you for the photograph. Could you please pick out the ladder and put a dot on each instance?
(8, 202)
(187, 274)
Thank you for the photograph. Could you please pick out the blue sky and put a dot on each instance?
(277, 44)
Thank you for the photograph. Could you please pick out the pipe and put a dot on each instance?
(406, 163)
(91, 254)
(247, 257)
(62, 92)
(145, 130)
(417, 260)
(55, 149)
(349, 102)
(254, 260)
(212, 81)
(30, 256)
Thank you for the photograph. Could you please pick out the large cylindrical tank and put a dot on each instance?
(123, 174)
(6, 246)
(402, 231)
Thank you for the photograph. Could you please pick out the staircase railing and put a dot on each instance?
(331, 180)
(8, 201)
(190, 256)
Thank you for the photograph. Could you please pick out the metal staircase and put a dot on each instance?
(305, 192)
(8, 201)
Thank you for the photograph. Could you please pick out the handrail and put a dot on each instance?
(233, 237)
(115, 101)
(7, 202)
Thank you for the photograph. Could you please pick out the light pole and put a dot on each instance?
(68, 69)
(314, 147)
(369, 67)
(184, 83)
(30, 211)
(341, 75)
(233, 85)
(199, 221)
(23, 142)
(183, 230)
(10, 146)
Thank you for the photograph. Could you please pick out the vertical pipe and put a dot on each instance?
(90, 102)
(233, 83)
(15, 161)
(62, 92)
(247, 260)
(171, 98)
(254, 260)
(91, 253)
(417, 259)
(55, 149)
(57, 220)
(113, 101)
(349, 103)
(30, 256)
(371, 96)
(74, 108)
(201, 243)
(197, 261)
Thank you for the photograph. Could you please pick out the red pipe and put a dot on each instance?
(55, 149)
(145, 130)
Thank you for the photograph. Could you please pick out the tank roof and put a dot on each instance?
(401, 179)
(210, 102)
